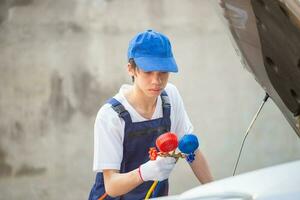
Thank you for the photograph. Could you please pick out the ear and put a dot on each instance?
(130, 70)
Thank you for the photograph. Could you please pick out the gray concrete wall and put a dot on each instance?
(60, 60)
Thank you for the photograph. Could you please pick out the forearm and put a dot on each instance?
(200, 168)
(117, 184)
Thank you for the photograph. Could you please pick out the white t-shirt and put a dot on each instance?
(109, 127)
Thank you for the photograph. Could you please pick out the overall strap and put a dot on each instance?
(120, 109)
(165, 104)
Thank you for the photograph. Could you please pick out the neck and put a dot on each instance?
(143, 104)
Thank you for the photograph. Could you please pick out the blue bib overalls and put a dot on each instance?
(138, 138)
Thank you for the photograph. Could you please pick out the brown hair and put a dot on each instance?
(132, 63)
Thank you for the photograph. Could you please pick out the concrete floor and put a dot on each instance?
(60, 60)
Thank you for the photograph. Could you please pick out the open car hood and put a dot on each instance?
(266, 35)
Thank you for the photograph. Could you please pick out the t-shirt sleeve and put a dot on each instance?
(181, 123)
(108, 141)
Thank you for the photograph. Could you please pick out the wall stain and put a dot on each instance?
(69, 27)
(5, 168)
(43, 123)
(26, 170)
(19, 127)
(60, 106)
(88, 92)
(17, 131)
(4, 7)
(21, 3)
(74, 27)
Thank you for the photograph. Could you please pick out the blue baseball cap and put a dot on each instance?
(152, 51)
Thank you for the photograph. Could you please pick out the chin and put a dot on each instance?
(153, 94)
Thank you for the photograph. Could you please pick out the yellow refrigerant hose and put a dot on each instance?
(151, 189)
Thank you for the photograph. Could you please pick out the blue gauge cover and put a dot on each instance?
(188, 143)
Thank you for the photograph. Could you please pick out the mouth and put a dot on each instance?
(155, 90)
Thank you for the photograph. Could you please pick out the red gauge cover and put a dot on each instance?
(167, 142)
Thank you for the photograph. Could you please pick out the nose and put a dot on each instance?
(156, 79)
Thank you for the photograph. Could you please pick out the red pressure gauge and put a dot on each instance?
(167, 142)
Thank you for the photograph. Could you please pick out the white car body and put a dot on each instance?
(281, 182)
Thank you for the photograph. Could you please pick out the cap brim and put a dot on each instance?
(148, 64)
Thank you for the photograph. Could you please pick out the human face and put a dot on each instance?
(150, 83)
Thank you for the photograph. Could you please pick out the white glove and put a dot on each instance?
(157, 170)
